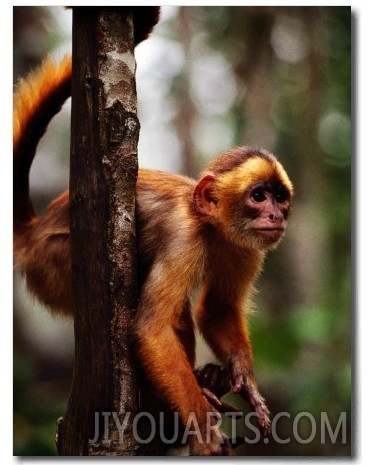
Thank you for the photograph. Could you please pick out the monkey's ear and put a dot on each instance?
(204, 200)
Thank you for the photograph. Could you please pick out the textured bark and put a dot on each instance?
(105, 131)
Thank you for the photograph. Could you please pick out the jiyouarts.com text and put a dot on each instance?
(172, 433)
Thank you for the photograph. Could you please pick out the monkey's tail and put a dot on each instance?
(37, 99)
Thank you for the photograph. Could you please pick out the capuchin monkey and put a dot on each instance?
(210, 234)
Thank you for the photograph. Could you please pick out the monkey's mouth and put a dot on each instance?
(271, 233)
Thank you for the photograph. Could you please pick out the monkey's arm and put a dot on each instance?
(220, 320)
(163, 355)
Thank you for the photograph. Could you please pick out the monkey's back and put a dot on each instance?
(42, 248)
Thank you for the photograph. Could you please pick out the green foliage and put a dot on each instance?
(36, 408)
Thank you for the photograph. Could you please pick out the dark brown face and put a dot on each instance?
(268, 205)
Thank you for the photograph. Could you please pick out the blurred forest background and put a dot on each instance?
(210, 78)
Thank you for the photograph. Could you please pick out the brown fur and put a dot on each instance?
(190, 235)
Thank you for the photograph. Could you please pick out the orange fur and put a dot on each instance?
(211, 234)
(37, 99)
(33, 91)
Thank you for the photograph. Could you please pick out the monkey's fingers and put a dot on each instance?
(213, 401)
(217, 405)
(258, 404)
(225, 407)
(238, 384)
(238, 375)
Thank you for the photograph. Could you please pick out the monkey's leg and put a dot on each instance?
(229, 339)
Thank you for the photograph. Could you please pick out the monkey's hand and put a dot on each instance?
(214, 378)
(215, 383)
(243, 383)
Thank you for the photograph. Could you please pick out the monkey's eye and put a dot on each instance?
(258, 194)
(281, 196)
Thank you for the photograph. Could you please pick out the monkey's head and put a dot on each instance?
(247, 195)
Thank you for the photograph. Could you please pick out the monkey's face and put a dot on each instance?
(251, 203)
(265, 212)
(260, 212)
(258, 218)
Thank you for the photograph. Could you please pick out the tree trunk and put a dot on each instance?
(105, 131)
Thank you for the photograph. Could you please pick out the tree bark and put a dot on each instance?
(103, 174)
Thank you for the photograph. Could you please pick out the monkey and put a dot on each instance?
(209, 235)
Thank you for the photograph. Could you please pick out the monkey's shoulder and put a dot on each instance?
(163, 183)
(162, 193)
(164, 205)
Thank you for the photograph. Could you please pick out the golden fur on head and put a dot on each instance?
(255, 169)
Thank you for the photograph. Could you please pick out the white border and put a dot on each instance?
(362, 240)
